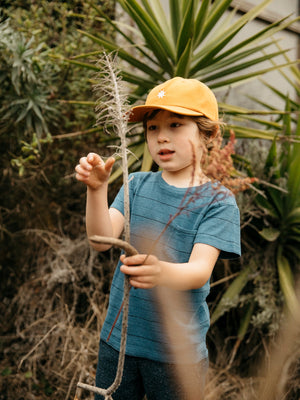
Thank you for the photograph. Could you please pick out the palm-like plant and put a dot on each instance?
(276, 226)
(192, 40)
(281, 208)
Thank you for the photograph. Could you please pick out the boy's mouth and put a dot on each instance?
(165, 154)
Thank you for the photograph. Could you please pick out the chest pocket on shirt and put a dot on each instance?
(180, 241)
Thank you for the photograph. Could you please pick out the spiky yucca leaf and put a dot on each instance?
(160, 55)
(193, 39)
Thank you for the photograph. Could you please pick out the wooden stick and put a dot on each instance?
(130, 251)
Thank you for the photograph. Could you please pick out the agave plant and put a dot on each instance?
(276, 226)
(193, 39)
(282, 208)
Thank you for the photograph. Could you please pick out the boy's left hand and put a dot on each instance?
(145, 272)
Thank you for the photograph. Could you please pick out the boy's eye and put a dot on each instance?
(151, 128)
(175, 125)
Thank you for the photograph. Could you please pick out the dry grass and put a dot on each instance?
(56, 318)
(52, 326)
(277, 376)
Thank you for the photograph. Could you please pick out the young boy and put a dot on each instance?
(180, 118)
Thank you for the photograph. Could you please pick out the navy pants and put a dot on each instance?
(141, 376)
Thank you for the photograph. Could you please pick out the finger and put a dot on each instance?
(83, 162)
(137, 259)
(141, 285)
(132, 271)
(143, 279)
(82, 171)
(137, 270)
(78, 177)
(94, 159)
(109, 164)
(81, 178)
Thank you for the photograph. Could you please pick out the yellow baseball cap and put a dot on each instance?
(181, 96)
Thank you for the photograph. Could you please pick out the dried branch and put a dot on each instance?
(112, 108)
(130, 250)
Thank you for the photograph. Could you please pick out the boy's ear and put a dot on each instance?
(215, 132)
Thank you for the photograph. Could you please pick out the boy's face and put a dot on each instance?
(175, 144)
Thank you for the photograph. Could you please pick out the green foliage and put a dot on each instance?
(37, 189)
(25, 85)
(6, 371)
(194, 42)
(266, 283)
(279, 224)
(231, 296)
(193, 39)
(281, 213)
(34, 79)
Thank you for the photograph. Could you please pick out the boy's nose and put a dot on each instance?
(162, 137)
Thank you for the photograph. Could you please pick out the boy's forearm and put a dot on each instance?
(185, 276)
(98, 220)
(195, 273)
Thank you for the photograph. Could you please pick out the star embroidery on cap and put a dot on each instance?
(161, 94)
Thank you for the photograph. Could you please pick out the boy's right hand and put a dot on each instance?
(93, 171)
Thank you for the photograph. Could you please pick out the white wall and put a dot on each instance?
(287, 40)
(280, 7)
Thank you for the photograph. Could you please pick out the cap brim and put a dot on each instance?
(137, 114)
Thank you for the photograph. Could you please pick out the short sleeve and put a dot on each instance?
(221, 228)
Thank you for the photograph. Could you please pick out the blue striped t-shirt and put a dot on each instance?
(204, 214)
